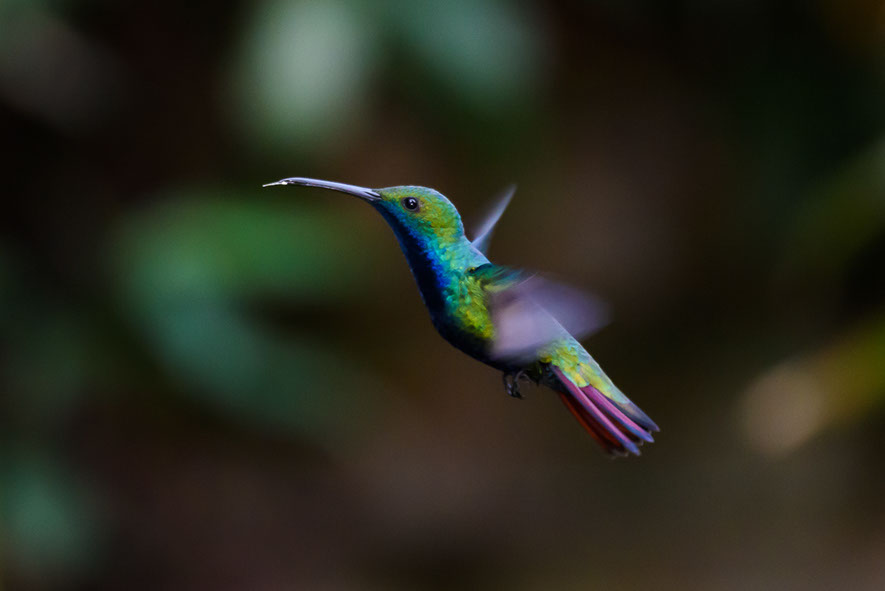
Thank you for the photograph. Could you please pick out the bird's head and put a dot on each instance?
(416, 214)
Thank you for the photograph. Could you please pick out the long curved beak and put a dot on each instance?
(361, 192)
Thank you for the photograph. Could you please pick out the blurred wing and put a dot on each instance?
(529, 311)
(485, 230)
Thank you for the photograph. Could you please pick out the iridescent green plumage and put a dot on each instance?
(514, 321)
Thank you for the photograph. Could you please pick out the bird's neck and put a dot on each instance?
(436, 262)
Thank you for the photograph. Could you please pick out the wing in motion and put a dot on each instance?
(484, 232)
(529, 311)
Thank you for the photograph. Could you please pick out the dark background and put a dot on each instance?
(207, 385)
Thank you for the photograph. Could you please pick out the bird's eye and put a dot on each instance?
(411, 203)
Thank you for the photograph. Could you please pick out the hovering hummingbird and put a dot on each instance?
(517, 322)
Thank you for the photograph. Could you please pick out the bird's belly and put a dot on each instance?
(475, 344)
(464, 339)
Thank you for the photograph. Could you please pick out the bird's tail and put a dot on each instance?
(618, 426)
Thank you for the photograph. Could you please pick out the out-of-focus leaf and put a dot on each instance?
(207, 242)
(302, 72)
(188, 270)
(488, 53)
(50, 520)
(795, 400)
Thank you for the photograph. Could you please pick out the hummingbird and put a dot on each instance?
(520, 323)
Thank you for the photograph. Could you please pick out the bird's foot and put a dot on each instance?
(511, 383)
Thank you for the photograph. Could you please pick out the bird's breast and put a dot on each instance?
(454, 298)
(463, 318)
(467, 307)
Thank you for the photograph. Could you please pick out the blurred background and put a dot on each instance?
(207, 385)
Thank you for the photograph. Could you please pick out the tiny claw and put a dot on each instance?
(511, 383)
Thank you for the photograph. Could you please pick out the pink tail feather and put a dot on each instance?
(617, 428)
